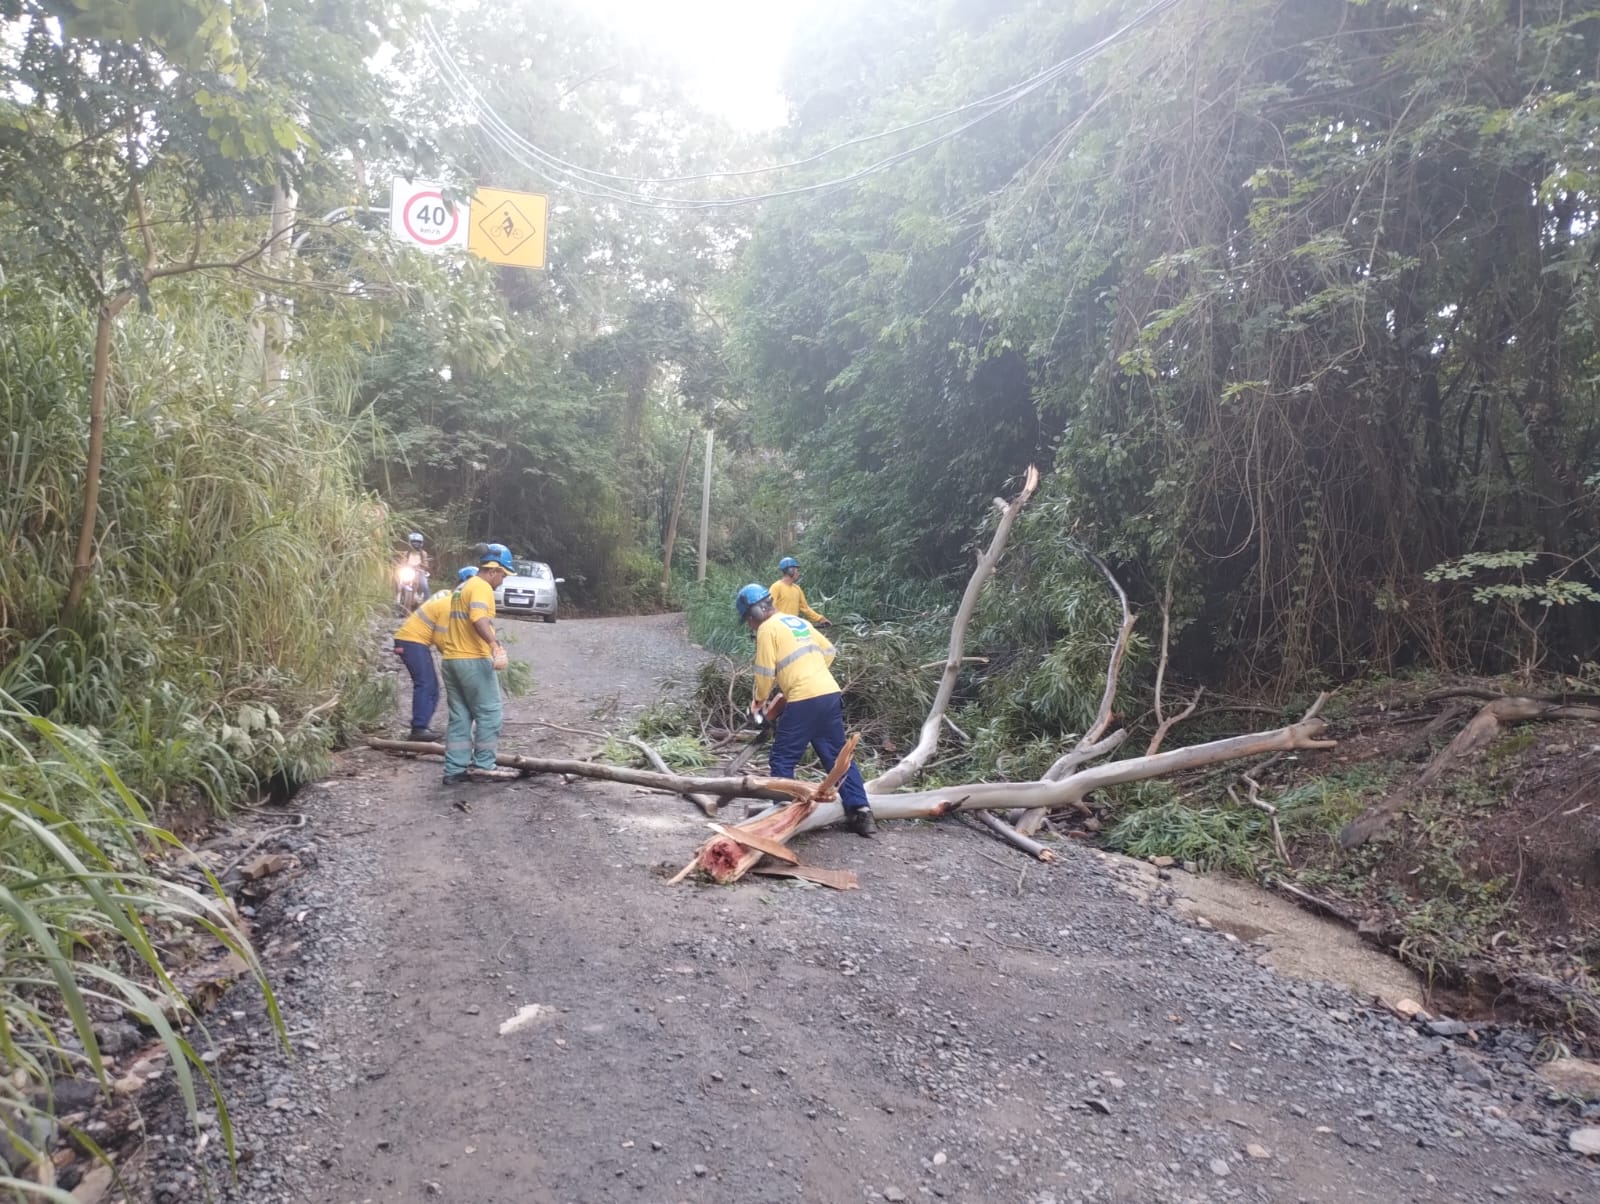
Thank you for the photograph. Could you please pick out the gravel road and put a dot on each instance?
(968, 1026)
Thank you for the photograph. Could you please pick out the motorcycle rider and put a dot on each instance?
(417, 557)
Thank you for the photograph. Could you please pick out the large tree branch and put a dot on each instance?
(928, 739)
(996, 796)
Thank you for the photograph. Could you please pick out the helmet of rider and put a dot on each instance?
(787, 563)
(415, 539)
(470, 571)
(500, 559)
(748, 598)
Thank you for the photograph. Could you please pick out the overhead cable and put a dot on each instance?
(995, 99)
(591, 183)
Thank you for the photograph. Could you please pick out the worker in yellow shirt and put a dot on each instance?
(471, 653)
(787, 596)
(413, 644)
(794, 658)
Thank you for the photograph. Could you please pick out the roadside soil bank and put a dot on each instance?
(1487, 881)
(968, 1026)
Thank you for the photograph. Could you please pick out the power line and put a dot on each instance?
(995, 99)
(590, 183)
(562, 174)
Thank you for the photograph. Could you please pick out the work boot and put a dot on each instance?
(859, 821)
(456, 779)
(423, 735)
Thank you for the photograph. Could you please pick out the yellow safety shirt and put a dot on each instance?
(791, 600)
(428, 623)
(794, 656)
(472, 600)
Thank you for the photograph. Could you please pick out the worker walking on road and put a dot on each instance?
(472, 653)
(787, 596)
(793, 657)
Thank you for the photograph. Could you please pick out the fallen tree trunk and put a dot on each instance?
(925, 804)
(734, 852)
(708, 805)
(1015, 838)
(1049, 796)
(776, 789)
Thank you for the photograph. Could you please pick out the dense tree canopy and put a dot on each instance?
(1298, 298)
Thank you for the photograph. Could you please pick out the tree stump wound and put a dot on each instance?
(735, 851)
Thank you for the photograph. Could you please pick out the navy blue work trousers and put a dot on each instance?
(418, 660)
(818, 722)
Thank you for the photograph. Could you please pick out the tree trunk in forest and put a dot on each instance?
(83, 559)
(672, 523)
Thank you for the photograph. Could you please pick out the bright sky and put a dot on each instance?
(731, 50)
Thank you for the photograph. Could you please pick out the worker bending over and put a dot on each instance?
(793, 657)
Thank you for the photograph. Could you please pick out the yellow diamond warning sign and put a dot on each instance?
(508, 227)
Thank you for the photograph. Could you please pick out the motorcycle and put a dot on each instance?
(411, 587)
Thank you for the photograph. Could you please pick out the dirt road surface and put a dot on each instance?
(968, 1026)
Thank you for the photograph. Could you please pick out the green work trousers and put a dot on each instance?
(472, 692)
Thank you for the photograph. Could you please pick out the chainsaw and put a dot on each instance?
(763, 719)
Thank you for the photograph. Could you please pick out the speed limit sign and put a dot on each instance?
(420, 215)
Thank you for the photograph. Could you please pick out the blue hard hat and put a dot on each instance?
(787, 563)
(469, 571)
(749, 596)
(500, 557)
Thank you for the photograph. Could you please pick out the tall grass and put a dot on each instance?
(227, 616)
(82, 926)
(223, 647)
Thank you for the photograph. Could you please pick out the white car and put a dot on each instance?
(531, 590)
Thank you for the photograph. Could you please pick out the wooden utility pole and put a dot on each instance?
(672, 523)
(705, 510)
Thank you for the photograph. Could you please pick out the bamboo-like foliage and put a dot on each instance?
(222, 644)
(81, 927)
(236, 559)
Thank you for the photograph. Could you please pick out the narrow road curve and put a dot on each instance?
(968, 1026)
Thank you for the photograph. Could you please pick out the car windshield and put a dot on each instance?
(538, 570)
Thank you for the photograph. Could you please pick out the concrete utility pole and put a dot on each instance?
(705, 510)
(274, 328)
